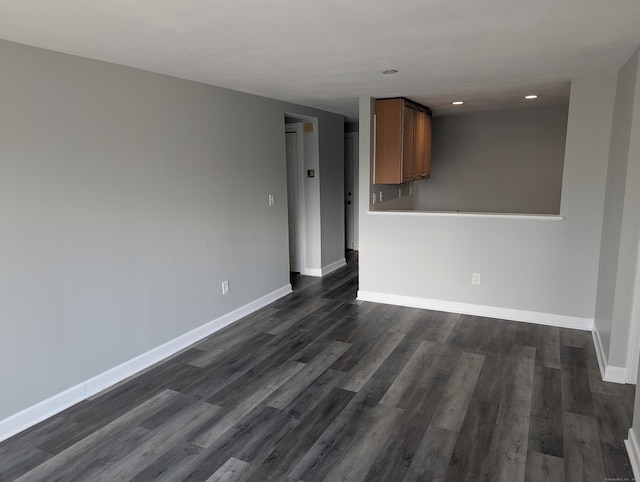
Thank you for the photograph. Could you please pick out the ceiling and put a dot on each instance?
(327, 53)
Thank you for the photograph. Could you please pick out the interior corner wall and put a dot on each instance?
(506, 161)
(529, 265)
(332, 199)
(621, 224)
(126, 197)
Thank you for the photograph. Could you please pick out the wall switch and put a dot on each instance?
(225, 287)
(271, 200)
(475, 278)
(381, 196)
(374, 198)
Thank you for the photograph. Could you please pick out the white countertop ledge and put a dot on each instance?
(452, 214)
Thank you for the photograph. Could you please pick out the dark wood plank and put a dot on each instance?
(293, 446)
(469, 460)
(104, 446)
(582, 452)
(576, 391)
(543, 467)
(172, 464)
(358, 433)
(455, 400)
(431, 459)
(508, 450)
(241, 407)
(308, 374)
(233, 470)
(545, 429)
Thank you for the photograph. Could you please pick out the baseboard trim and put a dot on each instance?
(325, 270)
(330, 268)
(615, 374)
(550, 319)
(30, 416)
(608, 372)
(633, 449)
(317, 272)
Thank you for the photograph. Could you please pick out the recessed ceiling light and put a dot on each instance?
(532, 96)
(390, 71)
(457, 102)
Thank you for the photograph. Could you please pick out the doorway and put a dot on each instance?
(294, 158)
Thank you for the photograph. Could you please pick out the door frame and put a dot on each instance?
(297, 129)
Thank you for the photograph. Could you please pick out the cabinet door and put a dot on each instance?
(422, 152)
(408, 143)
(389, 141)
(427, 146)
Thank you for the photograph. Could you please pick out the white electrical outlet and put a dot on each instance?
(399, 192)
(225, 287)
(271, 200)
(475, 278)
(374, 198)
(381, 196)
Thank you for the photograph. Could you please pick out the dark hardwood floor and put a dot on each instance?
(318, 386)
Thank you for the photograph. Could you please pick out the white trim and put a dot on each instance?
(450, 214)
(317, 272)
(40, 411)
(561, 321)
(301, 220)
(325, 270)
(600, 353)
(633, 449)
(330, 268)
(633, 350)
(608, 372)
(615, 374)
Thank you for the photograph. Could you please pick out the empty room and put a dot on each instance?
(337, 241)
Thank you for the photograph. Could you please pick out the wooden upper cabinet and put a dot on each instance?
(423, 145)
(403, 141)
(408, 154)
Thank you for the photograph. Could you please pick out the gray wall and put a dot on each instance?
(332, 193)
(126, 197)
(501, 162)
(620, 234)
(526, 264)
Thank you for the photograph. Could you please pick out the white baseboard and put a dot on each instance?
(330, 268)
(615, 374)
(600, 355)
(41, 411)
(608, 372)
(325, 270)
(550, 319)
(317, 272)
(633, 449)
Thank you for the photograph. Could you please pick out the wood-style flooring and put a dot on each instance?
(319, 386)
